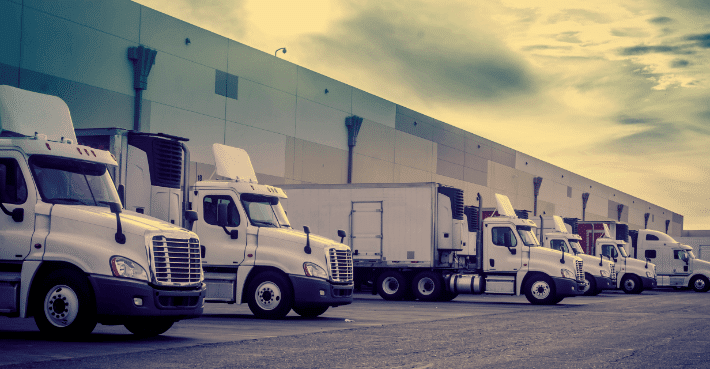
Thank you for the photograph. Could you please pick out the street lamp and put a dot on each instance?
(277, 51)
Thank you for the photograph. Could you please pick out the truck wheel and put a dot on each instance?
(149, 327)
(269, 296)
(540, 290)
(428, 286)
(310, 311)
(591, 285)
(65, 305)
(699, 283)
(391, 286)
(631, 284)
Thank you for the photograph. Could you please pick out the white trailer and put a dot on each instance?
(250, 253)
(676, 263)
(413, 240)
(599, 272)
(69, 255)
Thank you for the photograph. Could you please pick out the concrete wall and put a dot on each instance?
(290, 119)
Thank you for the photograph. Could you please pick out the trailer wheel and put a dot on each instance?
(428, 286)
(149, 327)
(310, 311)
(540, 290)
(699, 283)
(269, 296)
(391, 285)
(631, 284)
(591, 285)
(65, 305)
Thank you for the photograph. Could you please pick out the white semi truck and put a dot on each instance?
(415, 240)
(250, 253)
(676, 265)
(633, 276)
(69, 255)
(599, 272)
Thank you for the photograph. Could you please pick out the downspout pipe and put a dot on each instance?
(585, 198)
(537, 182)
(353, 124)
(143, 60)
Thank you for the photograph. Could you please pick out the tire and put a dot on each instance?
(428, 286)
(149, 327)
(540, 290)
(65, 307)
(699, 283)
(310, 311)
(269, 296)
(591, 289)
(392, 286)
(631, 284)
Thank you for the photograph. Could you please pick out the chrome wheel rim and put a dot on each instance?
(61, 306)
(268, 295)
(390, 285)
(426, 286)
(540, 290)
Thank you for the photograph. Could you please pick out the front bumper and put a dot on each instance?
(567, 287)
(605, 283)
(310, 291)
(648, 283)
(115, 300)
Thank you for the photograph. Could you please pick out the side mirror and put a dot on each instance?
(18, 215)
(512, 250)
(342, 235)
(307, 248)
(190, 218)
(222, 215)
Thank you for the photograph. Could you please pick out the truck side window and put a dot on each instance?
(651, 254)
(13, 189)
(678, 254)
(503, 236)
(209, 210)
(651, 237)
(559, 245)
(609, 250)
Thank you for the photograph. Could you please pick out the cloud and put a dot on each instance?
(660, 20)
(581, 16)
(679, 63)
(703, 40)
(643, 49)
(434, 58)
(629, 32)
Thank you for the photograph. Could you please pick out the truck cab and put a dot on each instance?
(633, 275)
(676, 263)
(69, 254)
(509, 259)
(599, 273)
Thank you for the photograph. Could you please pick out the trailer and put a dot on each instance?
(419, 241)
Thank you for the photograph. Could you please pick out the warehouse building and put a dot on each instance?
(99, 56)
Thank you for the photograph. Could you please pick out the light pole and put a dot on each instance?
(277, 51)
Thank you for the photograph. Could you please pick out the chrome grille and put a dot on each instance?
(580, 272)
(341, 265)
(177, 261)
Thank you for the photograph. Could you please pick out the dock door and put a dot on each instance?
(366, 230)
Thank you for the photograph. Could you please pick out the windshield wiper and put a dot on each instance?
(263, 222)
(67, 201)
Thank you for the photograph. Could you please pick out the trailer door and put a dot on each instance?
(366, 230)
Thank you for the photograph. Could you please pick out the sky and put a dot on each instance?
(617, 91)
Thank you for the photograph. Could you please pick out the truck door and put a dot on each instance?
(366, 230)
(504, 251)
(15, 237)
(219, 246)
(680, 262)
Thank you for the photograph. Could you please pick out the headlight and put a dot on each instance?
(649, 274)
(566, 273)
(126, 268)
(313, 270)
(604, 273)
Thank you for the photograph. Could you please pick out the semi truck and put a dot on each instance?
(676, 265)
(633, 276)
(599, 272)
(419, 241)
(70, 255)
(250, 253)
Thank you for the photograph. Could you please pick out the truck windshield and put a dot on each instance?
(622, 251)
(264, 211)
(73, 182)
(527, 235)
(575, 246)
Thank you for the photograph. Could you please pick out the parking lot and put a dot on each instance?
(661, 328)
